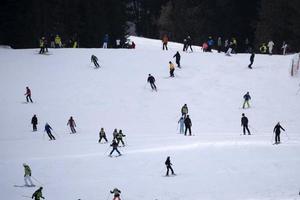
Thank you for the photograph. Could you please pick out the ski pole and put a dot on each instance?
(37, 180)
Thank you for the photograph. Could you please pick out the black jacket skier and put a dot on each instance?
(244, 124)
(247, 97)
(102, 135)
(34, 122)
(116, 193)
(119, 137)
(177, 55)
(277, 131)
(189, 43)
(251, 60)
(151, 80)
(168, 165)
(188, 125)
(114, 145)
(94, 59)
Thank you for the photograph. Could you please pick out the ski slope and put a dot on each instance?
(217, 163)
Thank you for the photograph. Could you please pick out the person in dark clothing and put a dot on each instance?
(34, 122)
(177, 56)
(42, 45)
(172, 69)
(184, 45)
(72, 124)
(114, 145)
(168, 165)
(116, 193)
(188, 125)
(247, 97)
(28, 95)
(119, 137)
(94, 59)
(219, 44)
(48, 131)
(37, 195)
(251, 60)
(151, 80)
(276, 130)
(189, 43)
(102, 135)
(244, 124)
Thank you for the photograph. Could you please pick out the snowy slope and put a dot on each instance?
(216, 163)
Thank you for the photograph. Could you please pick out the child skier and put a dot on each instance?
(168, 165)
(119, 137)
(72, 124)
(102, 135)
(114, 145)
(276, 130)
(247, 97)
(27, 175)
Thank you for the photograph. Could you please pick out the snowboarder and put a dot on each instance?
(284, 47)
(172, 69)
(105, 41)
(246, 97)
(114, 145)
(37, 195)
(102, 135)
(219, 44)
(244, 124)
(115, 133)
(165, 42)
(27, 176)
(72, 124)
(181, 124)
(94, 59)
(177, 55)
(251, 60)
(28, 95)
(276, 130)
(188, 125)
(119, 137)
(270, 47)
(48, 129)
(169, 166)
(116, 193)
(151, 80)
(184, 110)
(189, 43)
(34, 122)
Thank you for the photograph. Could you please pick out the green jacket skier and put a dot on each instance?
(37, 195)
(27, 176)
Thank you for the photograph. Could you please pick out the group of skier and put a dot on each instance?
(56, 42)
(269, 47)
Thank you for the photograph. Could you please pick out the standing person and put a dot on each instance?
(94, 59)
(105, 41)
(27, 175)
(234, 45)
(52, 39)
(184, 110)
(277, 131)
(210, 43)
(34, 122)
(226, 45)
(284, 47)
(116, 193)
(102, 135)
(247, 97)
(72, 124)
(114, 145)
(181, 124)
(263, 48)
(189, 43)
(244, 124)
(119, 137)
(172, 69)
(115, 133)
(177, 56)
(118, 43)
(169, 166)
(270, 47)
(251, 60)
(188, 125)
(42, 45)
(165, 42)
(28, 95)
(219, 44)
(151, 80)
(184, 44)
(37, 195)
(58, 43)
(48, 129)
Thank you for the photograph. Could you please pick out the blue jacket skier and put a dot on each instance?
(48, 129)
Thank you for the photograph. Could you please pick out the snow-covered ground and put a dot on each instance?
(217, 163)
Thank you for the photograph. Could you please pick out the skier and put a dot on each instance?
(34, 122)
(184, 110)
(94, 59)
(181, 124)
(244, 124)
(119, 137)
(72, 124)
(263, 48)
(210, 43)
(116, 193)
(57, 42)
(28, 95)
(184, 44)
(270, 47)
(115, 133)
(230, 49)
(48, 130)
(247, 97)
(114, 145)
(37, 195)
(168, 165)
(219, 44)
(102, 135)
(276, 130)
(226, 45)
(172, 69)
(165, 42)
(105, 41)
(188, 125)
(151, 80)
(177, 55)
(42, 45)
(251, 60)
(284, 47)
(189, 43)
(27, 175)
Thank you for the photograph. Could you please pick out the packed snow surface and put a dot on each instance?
(216, 163)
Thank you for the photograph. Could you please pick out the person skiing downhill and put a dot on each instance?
(251, 60)
(72, 124)
(246, 97)
(172, 69)
(177, 56)
(34, 122)
(119, 137)
(270, 47)
(114, 145)
(27, 176)
(94, 59)
(188, 125)
(184, 110)
(277, 131)
(116, 193)
(169, 166)
(151, 80)
(244, 124)
(181, 124)
(102, 135)
(28, 95)
(37, 195)
(48, 131)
